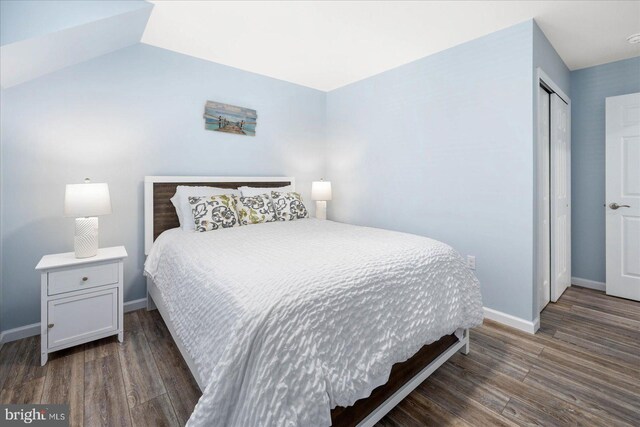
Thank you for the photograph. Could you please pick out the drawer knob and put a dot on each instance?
(50, 325)
(84, 279)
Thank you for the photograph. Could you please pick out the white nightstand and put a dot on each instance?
(81, 298)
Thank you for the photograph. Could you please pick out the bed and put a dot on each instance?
(303, 322)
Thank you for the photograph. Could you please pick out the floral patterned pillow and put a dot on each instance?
(214, 212)
(255, 209)
(288, 206)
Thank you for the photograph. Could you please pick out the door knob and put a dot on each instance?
(615, 206)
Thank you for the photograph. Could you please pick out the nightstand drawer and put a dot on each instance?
(77, 278)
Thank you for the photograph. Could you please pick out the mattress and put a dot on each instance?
(287, 320)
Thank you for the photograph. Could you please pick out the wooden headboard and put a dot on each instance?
(159, 213)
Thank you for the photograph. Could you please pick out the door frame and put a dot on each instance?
(540, 251)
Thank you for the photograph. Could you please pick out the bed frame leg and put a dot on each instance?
(150, 304)
(465, 349)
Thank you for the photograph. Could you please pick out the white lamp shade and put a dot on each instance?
(85, 200)
(321, 190)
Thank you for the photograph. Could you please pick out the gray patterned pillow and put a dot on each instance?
(255, 209)
(288, 206)
(214, 212)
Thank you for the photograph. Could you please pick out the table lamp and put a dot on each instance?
(321, 192)
(85, 202)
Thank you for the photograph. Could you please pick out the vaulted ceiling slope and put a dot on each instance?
(328, 44)
(39, 37)
(319, 44)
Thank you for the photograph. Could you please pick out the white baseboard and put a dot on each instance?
(591, 284)
(20, 332)
(512, 321)
(34, 329)
(134, 305)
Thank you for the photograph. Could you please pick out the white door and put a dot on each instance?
(560, 197)
(544, 254)
(623, 196)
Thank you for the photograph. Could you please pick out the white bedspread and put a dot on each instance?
(287, 320)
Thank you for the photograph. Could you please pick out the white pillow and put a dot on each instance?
(180, 201)
(256, 191)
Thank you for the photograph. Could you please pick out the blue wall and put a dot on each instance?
(589, 88)
(546, 57)
(443, 147)
(117, 118)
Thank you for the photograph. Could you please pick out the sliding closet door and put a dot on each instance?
(544, 233)
(560, 197)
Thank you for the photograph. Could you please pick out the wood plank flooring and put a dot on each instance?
(581, 368)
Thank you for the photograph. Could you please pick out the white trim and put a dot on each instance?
(34, 329)
(181, 178)
(20, 332)
(148, 194)
(591, 284)
(135, 304)
(552, 85)
(512, 321)
(543, 77)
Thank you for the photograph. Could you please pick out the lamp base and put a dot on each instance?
(321, 209)
(85, 241)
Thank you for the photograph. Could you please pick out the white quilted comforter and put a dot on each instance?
(287, 320)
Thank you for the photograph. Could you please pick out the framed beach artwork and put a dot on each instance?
(230, 119)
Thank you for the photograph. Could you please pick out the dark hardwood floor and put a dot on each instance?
(581, 368)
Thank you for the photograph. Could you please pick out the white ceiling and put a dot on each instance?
(328, 44)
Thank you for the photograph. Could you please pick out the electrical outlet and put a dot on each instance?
(471, 262)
